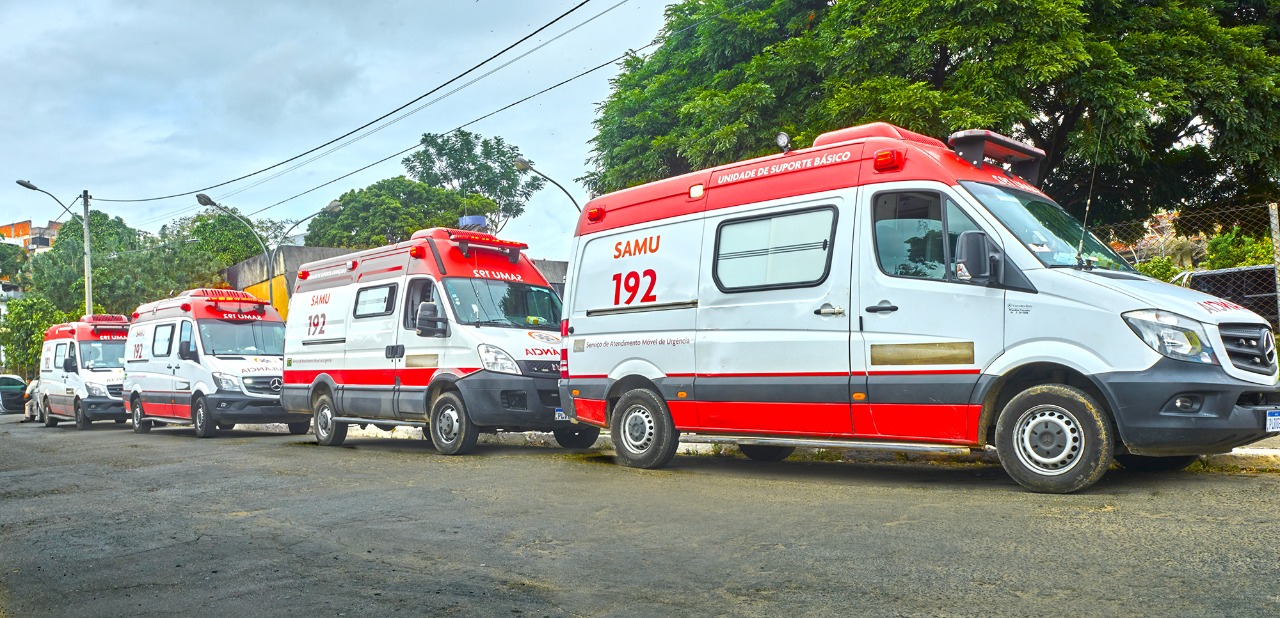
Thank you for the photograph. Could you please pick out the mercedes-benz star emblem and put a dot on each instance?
(1269, 347)
(276, 384)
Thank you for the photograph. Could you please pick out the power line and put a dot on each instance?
(370, 123)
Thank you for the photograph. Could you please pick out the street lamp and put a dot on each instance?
(523, 165)
(208, 201)
(88, 266)
(332, 207)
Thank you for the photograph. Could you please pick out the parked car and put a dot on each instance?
(1252, 287)
(12, 388)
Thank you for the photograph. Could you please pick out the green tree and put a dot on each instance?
(1175, 100)
(224, 237)
(1161, 268)
(468, 163)
(1233, 248)
(12, 257)
(390, 211)
(22, 331)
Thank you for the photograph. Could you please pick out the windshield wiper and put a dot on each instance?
(493, 323)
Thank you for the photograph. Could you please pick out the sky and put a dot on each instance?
(134, 99)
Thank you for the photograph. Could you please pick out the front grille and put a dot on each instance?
(263, 385)
(1250, 347)
(115, 390)
(541, 368)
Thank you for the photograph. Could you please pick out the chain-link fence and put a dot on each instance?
(1227, 253)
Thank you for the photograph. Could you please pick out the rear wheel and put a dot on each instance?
(82, 421)
(200, 420)
(139, 425)
(1143, 463)
(766, 452)
(1054, 439)
(297, 429)
(49, 420)
(328, 431)
(577, 436)
(451, 428)
(643, 434)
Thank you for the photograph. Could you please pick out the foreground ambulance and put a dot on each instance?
(80, 371)
(209, 359)
(452, 331)
(883, 290)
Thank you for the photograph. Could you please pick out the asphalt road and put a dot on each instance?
(106, 522)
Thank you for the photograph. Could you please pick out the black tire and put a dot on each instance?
(386, 428)
(1144, 463)
(328, 431)
(766, 452)
(82, 422)
(139, 425)
(42, 416)
(49, 420)
(200, 421)
(643, 434)
(226, 426)
(299, 428)
(451, 428)
(1054, 439)
(119, 421)
(426, 435)
(581, 435)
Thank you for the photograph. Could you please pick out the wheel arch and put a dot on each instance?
(993, 395)
(619, 387)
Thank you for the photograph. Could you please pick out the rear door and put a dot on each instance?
(774, 320)
(927, 334)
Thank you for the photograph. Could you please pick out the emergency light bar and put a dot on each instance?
(466, 240)
(975, 145)
(99, 318)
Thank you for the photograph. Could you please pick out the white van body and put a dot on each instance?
(356, 352)
(209, 359)
(81, 371)
(809, 298)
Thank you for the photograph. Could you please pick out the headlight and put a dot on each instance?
(494, 358)
(95, 390)
(226, 381)
(1172, 335)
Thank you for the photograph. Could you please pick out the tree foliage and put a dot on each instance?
(1232, 248)
(226, 238)
(1175, 100)
(1162, 268)
(468, 163)
(390, 211)
(22, 331)
(12, 257)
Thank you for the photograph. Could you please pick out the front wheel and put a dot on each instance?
(1143, 463)
(577, 436)
(643, 434)
(200, 419)
(82, 421)
(451, 428)
(1054, 439)
(328, 431)
(139, 425)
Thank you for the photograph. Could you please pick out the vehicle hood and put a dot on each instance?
(1154, 294)
(247, 365)
(522, 344)
(113, 375)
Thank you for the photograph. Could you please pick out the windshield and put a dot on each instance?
(101, 354)
(502, 303)
(236, 337)
(1044, 227)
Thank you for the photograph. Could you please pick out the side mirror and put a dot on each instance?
(186, 352)
(429, 322)
(976, 261)
(69, 365)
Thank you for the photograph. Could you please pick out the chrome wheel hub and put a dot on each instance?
(1049, 440)
(449, 422)
(637, 429)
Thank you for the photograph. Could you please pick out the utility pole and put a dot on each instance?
(88, 267)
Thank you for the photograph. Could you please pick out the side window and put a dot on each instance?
(71, 353)
(784, 250)
(419, 291)
(376, 301)
(59, 355)
(909, 229)
(184, 334)
(162, 342)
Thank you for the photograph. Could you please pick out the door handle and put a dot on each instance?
(882, 308)
(827, 309)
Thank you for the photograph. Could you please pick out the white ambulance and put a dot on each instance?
(882, 290)
(80, 371)
(209, 359)
(452, 331)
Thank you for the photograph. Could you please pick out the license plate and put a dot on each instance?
(1273, 421)
(561, 416)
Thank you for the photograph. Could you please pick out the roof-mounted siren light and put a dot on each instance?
(468, 241)
(975, 145)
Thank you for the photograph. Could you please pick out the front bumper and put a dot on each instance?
(1227, 412)
(103, 409)
(511, 402)
(236, 408)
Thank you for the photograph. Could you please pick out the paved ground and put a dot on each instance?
(106, 522)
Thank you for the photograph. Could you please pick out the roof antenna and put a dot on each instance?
(1088, 200)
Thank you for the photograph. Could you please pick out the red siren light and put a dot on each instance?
(185, 307)
(888, 160)
(595, 215)
(303, 274)
(417, 252)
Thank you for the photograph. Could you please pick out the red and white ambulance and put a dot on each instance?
(206, 358)
(883, 290)
(452, 331)
(80, 371)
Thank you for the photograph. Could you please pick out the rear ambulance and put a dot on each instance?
(209, 359)
(81, 371)
(452, 331)
(881, 290)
